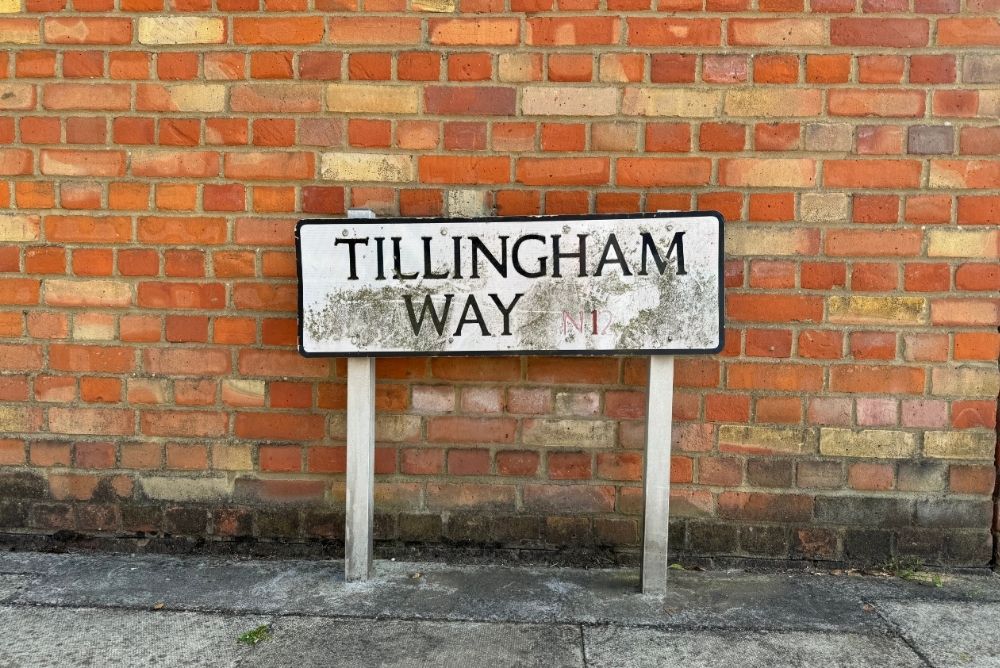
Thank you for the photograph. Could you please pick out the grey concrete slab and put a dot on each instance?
(12, 585)
(435, 591)
(315, 642)
(949, 633)
(63, 637)
(617, 647)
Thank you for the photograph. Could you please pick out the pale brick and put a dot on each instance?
(464, 203)
(440, 6)
(871, 443)
(824, 207)
(186, 489)
(232, 457)
(989, 103)
(181, 30)
(376, 167)
(14, 419)
(960, 444)
(243, 392)
(765, 173)
(10, 6)
(678, 102)
(60, 292)
(965, 382)
(568, 101)
(833, 137)
(397, 428)
(372, 99)
(433, 398)
(963, 243)
(577, 403)
(518, 67)
(181, 97)
(888, 310)
(768, 101)
(19, 227)
(94, 327)
(764, 440)
(572, 433)
(17, 96)
(752, 240)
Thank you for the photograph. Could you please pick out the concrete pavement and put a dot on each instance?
(92, 609)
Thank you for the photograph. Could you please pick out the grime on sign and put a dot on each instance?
(641, 284)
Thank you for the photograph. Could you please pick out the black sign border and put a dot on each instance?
(515, 219)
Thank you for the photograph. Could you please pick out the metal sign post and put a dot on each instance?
(638, 284)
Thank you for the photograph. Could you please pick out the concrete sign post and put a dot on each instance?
(648, 284)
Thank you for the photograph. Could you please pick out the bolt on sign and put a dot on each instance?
(640, 284)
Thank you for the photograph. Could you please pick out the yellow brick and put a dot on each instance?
(186, 489)
(367, 167)
(373, 99)
(823, 207)
(960, 444)
(965, 381)
(679, 102)
(568, 101)
(753, 240)
(989, 103)
(573, 433)
(882, 444)
(772, 102)
(782, 440)
(197, 97)
(19, 228)
(397, 428)
(888, 310)
(181, 30)
(963, 243)
(232, 457)
(10, 6)
(441, 6)
(464, 203)
(15, 419)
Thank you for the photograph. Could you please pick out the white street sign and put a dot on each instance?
(638, 284)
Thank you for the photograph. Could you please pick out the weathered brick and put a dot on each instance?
(367, 167)
(764, 101)
(170, 30)
(873, 443)
(194, 97)
(19, 227)
(959, 444)
(681, 102)
(372, 99)
(568, 101)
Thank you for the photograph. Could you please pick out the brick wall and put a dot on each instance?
(156, 157)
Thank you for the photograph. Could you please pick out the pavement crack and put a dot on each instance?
(898, 631)
(583, 645)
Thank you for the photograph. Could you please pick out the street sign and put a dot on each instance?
(612, 284)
